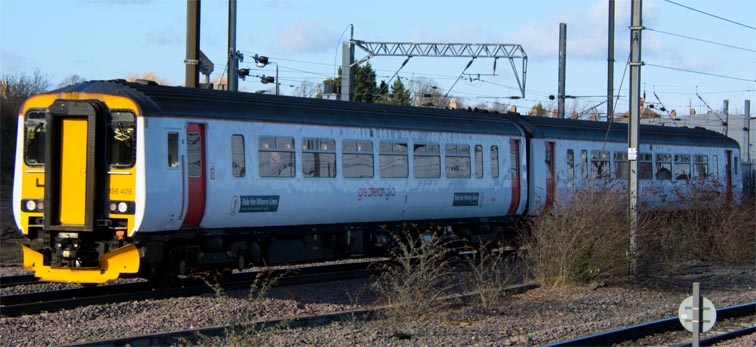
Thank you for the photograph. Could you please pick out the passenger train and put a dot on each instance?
(119, 179)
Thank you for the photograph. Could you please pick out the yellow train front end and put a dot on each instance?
(74, 193)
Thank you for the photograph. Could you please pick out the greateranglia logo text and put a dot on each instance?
(386, 192)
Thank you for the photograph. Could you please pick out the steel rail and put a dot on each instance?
(656, 327)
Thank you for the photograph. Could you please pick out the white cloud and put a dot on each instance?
(163, 37)
(11, 62)
(306, 37)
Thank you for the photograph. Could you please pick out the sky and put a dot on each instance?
(111, 39)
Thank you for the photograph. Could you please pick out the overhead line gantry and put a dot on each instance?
(511, 52)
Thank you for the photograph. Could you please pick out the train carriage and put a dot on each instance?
(565, 155)
(114, 178)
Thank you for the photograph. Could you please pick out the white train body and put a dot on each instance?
(253, 201)
(114, 177)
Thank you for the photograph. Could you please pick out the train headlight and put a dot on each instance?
(32, 205)
(122, 207)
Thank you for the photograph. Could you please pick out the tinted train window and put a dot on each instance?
(319, 157)
(478, 161)
(122, 139)
(194, 154)
(621, 166)
(237, 156)
(495, 161)
(570, 164)
(357, 159)
(682, 166)
(645, 166)
(427, 160)
(584, 163)
(735, 166)
(34, 149)
(276, 156)
(173, 160)
(393, 160)
(600, 164)
(663, 166)
(700, 166)
(457, 161)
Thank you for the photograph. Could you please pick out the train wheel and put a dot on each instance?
(241, 263)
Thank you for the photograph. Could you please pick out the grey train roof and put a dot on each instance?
(157, 101)
(544, 127)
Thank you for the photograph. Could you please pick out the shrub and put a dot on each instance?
(419, 275)
(581, 239)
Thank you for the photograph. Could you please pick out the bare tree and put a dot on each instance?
(14, 90)
(306, 90)
(425, 93)
(73, 79)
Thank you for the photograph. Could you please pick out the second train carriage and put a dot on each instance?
(565, 155)
(116, 177)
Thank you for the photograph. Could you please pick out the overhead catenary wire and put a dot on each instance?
(699, 72)
(711, 15)
(700, 40)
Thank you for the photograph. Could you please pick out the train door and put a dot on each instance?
(76, 168)
(514, 150)
(550, 175)
(728, 174)
(195, 173)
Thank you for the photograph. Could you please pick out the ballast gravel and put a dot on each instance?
(537, 317)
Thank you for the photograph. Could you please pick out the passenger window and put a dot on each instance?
(357, 159)
(495, 161)
(584, 163)
(700, 166)
(237, 156)
(478, 161)
(570, 164)
(735, 164)
(276, 156)
(34, 149)
(645, 166)
(682, 166)
(621, 166)
(426, 160)
(600, 164)
(173, 160)
(457, 161)
(663, 166)
(715, 169)
(194, 154)
(393, 160)
(319, 157)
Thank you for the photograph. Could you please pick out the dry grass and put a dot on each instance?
(713, 230)
(411, 285)
(489, 273)
(235, 316)
(582, 239)
(586, 238)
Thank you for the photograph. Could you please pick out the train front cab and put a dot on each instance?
(74, 195)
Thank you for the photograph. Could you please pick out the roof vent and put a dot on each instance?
(146, 82)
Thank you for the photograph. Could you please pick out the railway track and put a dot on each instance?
(50, 301)
(16, 280)
(182, 336)
(732, 322)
